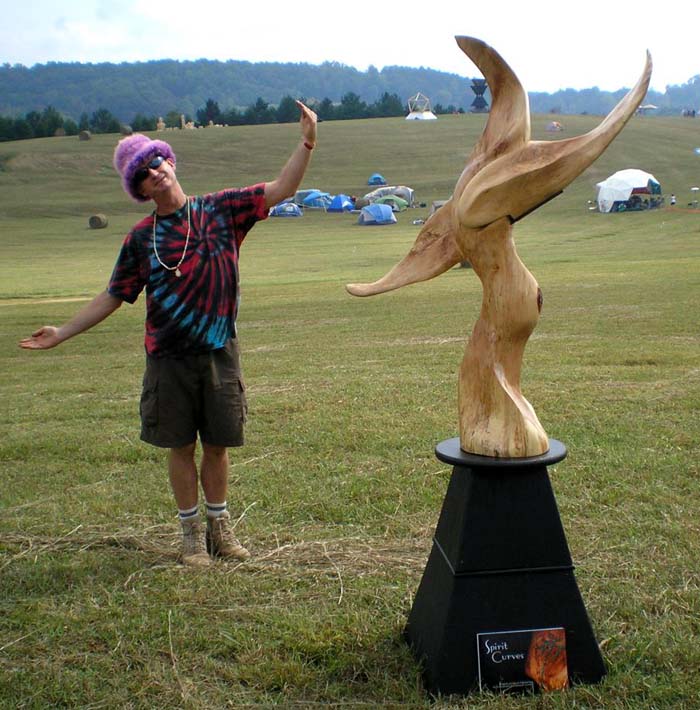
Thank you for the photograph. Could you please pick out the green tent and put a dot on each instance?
(397, 204)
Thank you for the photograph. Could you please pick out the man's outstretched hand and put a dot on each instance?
(43, 339)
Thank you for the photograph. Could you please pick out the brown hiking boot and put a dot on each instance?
(194, 544)
(222, 541)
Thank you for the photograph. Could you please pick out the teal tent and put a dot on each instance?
(341, 203)
(375, 214)
(317, 200)
(286, 209)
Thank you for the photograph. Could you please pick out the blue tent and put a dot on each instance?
(376, 179)
(341, 203)
(299, 195)
(376, 214)
(317, 199)
(286, 209)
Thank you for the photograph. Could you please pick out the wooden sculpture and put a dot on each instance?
(507, 176)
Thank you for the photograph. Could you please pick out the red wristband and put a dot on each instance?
(308, 146)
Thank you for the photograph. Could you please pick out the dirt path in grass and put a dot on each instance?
(30, 301)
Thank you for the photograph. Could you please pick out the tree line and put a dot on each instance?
(50, 122)
(142, 88)
(157, 86)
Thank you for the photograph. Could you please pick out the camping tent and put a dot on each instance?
(621, 191)
(317, 200)
(341, 203)
(286, 209)
(299, 195)
(376, 179)
(376, 215)
(405, 193)
(419, 108)
(396, 203)
(436, 205)
(421, 116)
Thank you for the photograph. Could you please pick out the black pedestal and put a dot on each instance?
(500, 562)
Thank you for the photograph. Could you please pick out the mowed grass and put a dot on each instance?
(338, 485)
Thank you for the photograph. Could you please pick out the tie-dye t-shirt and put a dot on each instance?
(194, 312)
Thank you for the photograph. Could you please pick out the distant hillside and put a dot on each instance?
(158, 87)
(161, 86)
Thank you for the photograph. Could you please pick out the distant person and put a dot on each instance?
(185, 255)
(673, 199)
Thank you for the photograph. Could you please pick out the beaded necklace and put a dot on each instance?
(175, 268)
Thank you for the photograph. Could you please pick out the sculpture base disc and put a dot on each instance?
(449, 451)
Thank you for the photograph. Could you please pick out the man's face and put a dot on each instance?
(155, 176)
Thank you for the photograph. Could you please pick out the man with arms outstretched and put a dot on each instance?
(185, 255)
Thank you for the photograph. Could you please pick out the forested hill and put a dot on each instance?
(158, 87)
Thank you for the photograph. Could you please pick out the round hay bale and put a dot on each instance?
(97, 221)
(126, 130)
(84, 135)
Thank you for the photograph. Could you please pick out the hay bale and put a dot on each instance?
(84, 135)
(126, 130)
(97, 221)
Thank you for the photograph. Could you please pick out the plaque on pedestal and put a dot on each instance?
(528, 659)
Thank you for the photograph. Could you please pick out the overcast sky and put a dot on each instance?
(548, 44)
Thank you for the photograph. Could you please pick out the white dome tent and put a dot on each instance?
(419, 109)
(623, 190)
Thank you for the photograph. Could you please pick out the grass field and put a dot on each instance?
(338, 484)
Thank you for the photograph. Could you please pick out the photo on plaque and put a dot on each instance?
(528, 660)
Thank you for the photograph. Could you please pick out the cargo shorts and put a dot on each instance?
(197, 395)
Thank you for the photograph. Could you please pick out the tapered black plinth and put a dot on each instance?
(499, 562)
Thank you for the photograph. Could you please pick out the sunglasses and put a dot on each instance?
(142, 173)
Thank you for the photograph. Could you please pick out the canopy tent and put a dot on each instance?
(341, 203)
(376, 179)
(645, 108)
(317, 200)
(405, 193)
(396, 203)
(375, 214)
(286, 209)
(617, 193)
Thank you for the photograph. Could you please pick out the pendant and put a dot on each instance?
(178, 272)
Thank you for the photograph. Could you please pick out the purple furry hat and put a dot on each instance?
(131, 153)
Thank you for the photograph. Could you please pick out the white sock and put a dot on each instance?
(188, 515)
(216, 510)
